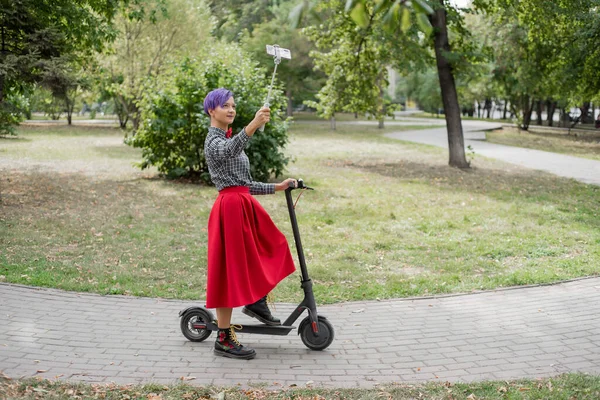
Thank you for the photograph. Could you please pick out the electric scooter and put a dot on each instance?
(316, 332)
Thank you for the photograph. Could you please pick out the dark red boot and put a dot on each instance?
(227, 345)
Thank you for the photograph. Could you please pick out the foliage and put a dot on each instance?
(12, 110)
(298, 76)
(542, 50)
(42, 100)
(374, 17)
(423, 87)
(234, 17)
(151, 34)
(174, 125)
(66, 79)
(355, 61)
(35, 32)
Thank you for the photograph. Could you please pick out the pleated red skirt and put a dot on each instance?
(247, 255)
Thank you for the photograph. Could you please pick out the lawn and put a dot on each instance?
(581, 145)
(388, 219)
(563, 387)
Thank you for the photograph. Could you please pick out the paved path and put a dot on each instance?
(524, 332)
(581, 169)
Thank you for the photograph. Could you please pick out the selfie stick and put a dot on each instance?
(278, 53)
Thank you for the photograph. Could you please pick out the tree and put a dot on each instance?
(298, 76)
(355, 60)
(542, 50)
(151, 35)
(424, 89)
(33, 32)
(397, 17)
(235, 17)
(66, 79)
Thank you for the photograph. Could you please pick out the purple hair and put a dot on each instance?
(216, 98)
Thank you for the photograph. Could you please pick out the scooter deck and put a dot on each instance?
(281, 330)
(266, 329)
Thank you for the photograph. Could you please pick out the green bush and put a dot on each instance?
(174, 126)
(12, 111)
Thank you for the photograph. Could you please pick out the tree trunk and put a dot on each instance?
(121, 110)
(538, 112)
(564, 118)
(70, 103)
(332, 123)
(505, 109)
(527, 107)
(456, 142)
(488, 107)
(551, 109)
(381, 106)
(290, 109)
(135, 116)
(584, 113)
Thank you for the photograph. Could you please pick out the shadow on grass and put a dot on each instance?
(13, 139)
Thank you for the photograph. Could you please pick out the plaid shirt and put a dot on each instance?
(228, 164)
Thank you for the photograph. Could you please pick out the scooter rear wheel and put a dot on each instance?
(321, 342)
(196, 316)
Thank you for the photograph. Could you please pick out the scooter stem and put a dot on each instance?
(294, 221)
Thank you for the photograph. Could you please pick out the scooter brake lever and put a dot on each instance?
(301, 185)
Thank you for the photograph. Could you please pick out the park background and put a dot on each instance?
(113, 197)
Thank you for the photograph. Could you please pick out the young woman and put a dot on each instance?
(247, 255)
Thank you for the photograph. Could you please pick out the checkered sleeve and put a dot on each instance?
(257, 188)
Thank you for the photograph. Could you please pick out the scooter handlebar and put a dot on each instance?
(301, 185)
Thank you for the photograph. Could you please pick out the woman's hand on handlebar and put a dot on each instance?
(285, 184)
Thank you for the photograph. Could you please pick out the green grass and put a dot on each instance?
(388, 219)
(586, 145)
(563, 387)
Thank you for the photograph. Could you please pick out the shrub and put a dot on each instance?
(174, 126)
(12, 110)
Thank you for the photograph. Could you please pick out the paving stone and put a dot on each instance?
(525, 332)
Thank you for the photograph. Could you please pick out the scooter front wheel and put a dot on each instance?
(321, 342)
(191, 322)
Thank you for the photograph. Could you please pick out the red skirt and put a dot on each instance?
(247, 255)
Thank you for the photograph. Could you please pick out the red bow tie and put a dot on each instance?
(228, 133)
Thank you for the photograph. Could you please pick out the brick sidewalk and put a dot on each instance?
(525, 332)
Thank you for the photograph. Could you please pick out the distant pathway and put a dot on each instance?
(581, 169)
(525, 332)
